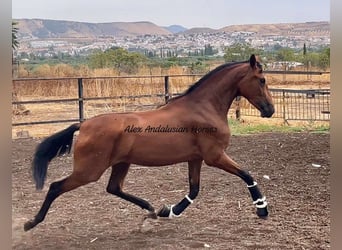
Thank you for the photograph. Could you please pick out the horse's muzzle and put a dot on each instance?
(266, 110)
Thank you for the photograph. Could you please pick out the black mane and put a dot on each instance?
(205, 77)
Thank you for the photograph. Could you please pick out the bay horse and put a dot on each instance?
(190, 128)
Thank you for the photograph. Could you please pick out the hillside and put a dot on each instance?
(40, 28)
(175, 28)
(199, 30)
(305, 29)
(48, 29)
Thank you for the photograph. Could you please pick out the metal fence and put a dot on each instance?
(300, 105)
(310, 105)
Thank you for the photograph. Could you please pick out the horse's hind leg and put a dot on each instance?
(119, 172)
(194, 182)
(227, 164)
(56, 189)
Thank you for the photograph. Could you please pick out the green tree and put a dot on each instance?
(285, 54)
(304, 50)
(239, 52)
(305, 57)
(311, 60)
(208, 50)
(324, 59)
(18, 108)
(15, 29)
(97, 59)
(118, 58)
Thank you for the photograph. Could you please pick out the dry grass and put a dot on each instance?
(103, 85)
(131, 86)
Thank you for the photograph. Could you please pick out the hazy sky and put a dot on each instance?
(188, 13)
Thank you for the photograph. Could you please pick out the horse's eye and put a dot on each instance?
(262, 81)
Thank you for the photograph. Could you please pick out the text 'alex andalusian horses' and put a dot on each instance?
(190, 128)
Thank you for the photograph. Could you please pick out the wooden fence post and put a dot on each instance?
(166, 86)
(284, 106)
(237, 110)
(80, 99)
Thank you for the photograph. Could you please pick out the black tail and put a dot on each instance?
(55, 145)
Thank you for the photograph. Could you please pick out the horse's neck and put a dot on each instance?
(216, 93)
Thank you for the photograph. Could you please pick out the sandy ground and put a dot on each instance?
(222, 216)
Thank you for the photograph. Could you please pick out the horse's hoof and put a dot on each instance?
(262, 212)
(29, 225)
(164, 211)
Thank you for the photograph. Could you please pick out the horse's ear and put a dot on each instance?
(252, 61)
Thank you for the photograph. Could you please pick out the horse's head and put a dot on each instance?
(254, 88)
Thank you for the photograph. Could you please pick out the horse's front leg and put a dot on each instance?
(194, 182)
(224, 162)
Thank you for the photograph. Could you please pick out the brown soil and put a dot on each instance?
(222, 217)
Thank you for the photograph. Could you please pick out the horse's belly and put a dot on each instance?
(162, 150)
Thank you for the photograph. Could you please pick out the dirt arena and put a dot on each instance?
(292, 171)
